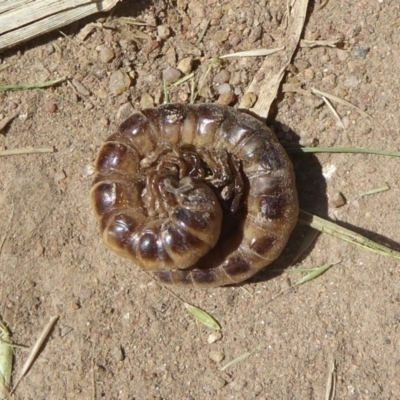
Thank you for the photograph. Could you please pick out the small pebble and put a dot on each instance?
(213, 337)
(221, 36)
(171, 75)
(124, 111)
(119, 82)
(227, 99)
(338, 200)
(351, 82)
(50, 107)
(224, 88)
(106, 54)
(222, 76)
(146, 101)
(255, 34)
(308, 74)
(217, 356)
(360, 52)
(80, 88)
(163, 32)
(104, 121)
(59, 176)
(248, 100)
(87, 170)
(186, 65)
(301, 65)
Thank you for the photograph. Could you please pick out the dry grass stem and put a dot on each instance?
(383, 188)
(333, 111)
(26, 150)
(297, 149)
(319, 43)
(346, 235)
(35, 350)
(32, 86)
(239, 359)
(254, 53)
(5, 361)
(339, 100)
(331, 383)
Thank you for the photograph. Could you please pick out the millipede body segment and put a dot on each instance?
(199, 195)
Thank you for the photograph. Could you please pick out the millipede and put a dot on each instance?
(199, 195)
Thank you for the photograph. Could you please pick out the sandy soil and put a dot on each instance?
(121, 336)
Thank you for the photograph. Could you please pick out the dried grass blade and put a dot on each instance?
(39, 85)
(26, 150)
(296, 149)
(203, 317)
(319, 43)
(383, 188)
(5, 361)
(333, 111)
(314, 274)
(183, 79)
(331, 383)
(35, 350)
(239, 359)
(343, 102)
(346, 235)
(254, 53)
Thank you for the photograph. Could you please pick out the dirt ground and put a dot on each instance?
(119, 334)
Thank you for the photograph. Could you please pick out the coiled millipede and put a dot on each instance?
(200, 195)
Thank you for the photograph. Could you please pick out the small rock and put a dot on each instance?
(104, 121)
(351, 82)
(185, 65)
(59, 176)
(221, 36)
(227, 99)
(217, 356)
(124, 111)
(87, 170)
(146, 101)
(308, 74)
(338, 200)
(50, 107)
(163, 32)
(171, 75)
(301, 65)
(222, 76)
(224, 88)
(213, 337)
(119, 82)
(80, 88)
(248, 100)
(106, 54)
(342, 55)
(255, 34)
(360, 52)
